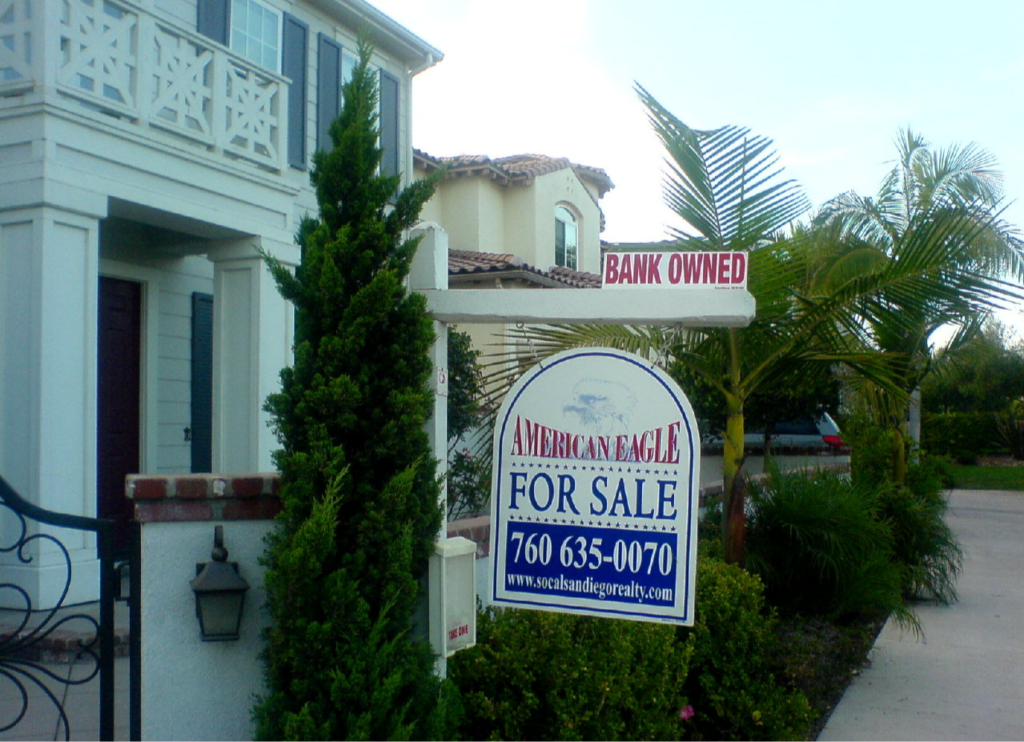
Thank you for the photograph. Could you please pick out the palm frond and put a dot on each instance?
(725, 182)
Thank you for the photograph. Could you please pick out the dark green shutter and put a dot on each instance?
(328, 90)
(202, 383)
(294, 45)
(389, 138)
(212, 19)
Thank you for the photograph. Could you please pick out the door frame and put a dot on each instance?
(149, 279)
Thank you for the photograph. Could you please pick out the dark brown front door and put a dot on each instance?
(119, 381)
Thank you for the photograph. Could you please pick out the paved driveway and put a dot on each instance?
(965, 680)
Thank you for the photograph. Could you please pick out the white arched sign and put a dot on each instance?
(594, 492)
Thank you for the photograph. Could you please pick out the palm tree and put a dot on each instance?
(954, 193)
(725, 186)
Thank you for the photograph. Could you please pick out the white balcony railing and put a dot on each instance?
(115, 57)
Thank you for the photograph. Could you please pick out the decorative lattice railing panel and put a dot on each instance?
(253, 108)
(15, 42)
(182, 85)
(117, 58)
(99, 53)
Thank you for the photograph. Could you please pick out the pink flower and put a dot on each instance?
(686, 713)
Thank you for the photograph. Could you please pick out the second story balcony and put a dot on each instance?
(118, 63)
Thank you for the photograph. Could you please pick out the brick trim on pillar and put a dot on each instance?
(201, 497)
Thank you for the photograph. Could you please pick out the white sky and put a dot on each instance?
(830, 82)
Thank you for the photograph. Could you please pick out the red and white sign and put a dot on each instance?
(674, 270)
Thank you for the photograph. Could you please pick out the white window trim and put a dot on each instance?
(576, 225)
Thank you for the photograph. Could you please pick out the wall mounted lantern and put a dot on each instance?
(220, 594)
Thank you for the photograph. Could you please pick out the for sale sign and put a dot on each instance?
(675, 270)
(595, 490)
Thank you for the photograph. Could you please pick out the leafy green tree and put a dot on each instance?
(468, 472)
(982, 375)
(941, 207)
(359, 484)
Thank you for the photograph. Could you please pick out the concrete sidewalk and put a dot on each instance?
(965, 679)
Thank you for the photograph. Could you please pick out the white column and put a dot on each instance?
(430, 271)
(252, 341)
(48, 302)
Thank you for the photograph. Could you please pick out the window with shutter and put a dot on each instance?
(256, 32)
(272, 39)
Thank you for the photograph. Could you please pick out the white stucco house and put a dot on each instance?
(147, 149)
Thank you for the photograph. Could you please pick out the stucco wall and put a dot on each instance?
(193, 689)
(564, 188)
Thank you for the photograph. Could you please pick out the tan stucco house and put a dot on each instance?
(524, 221)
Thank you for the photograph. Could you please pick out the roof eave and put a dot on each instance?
(385, 32)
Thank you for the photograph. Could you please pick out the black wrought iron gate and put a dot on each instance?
(26, 633)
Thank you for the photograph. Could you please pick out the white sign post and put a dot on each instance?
(698, 306)
(595, 490)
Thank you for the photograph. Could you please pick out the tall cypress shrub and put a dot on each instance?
(359, 482)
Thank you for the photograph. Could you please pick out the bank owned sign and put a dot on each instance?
(595, 490)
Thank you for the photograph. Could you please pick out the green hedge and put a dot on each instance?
(963, 436)
(821, 547)
(732, 685)
(538, 675)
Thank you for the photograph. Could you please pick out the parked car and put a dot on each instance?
(822, 433)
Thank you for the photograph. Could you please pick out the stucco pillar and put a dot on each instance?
(48, 302)
(252, 341)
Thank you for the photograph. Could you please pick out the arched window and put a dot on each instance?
(566, 239)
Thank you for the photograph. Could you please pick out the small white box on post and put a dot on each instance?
(453, 606)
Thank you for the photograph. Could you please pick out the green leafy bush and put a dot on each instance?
(927, 552)
(732, 685)
(820, 545)
(1010, 425)
(963, 436)
(468, 475)
(925, 549)
(538, 675)
(871, 455)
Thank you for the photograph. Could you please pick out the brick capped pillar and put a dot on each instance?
(213, 682)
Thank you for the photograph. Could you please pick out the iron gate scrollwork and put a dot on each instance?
(23, 645)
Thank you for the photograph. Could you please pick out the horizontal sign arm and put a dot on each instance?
(689, 308)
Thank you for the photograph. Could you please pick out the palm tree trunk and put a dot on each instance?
(914, 416)
(734, 489)
(899, 456)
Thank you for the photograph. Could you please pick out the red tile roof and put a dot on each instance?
(465, 266)
(512, 170)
